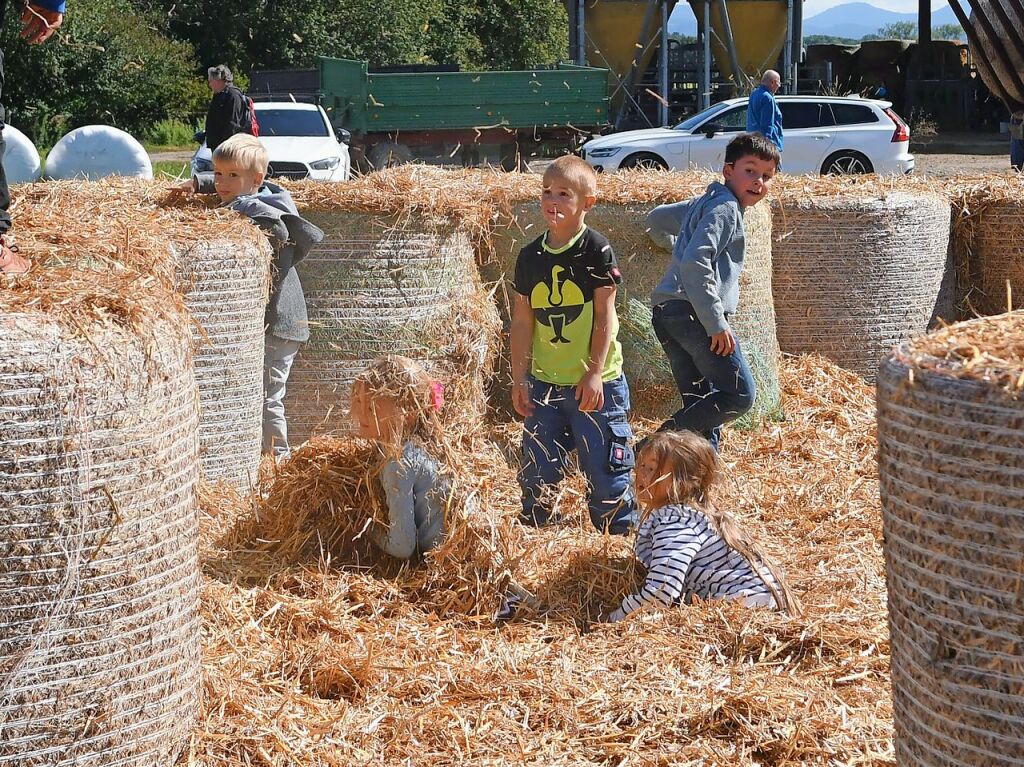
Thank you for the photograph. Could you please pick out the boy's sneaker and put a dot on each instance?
(10, 261)
(515, 597)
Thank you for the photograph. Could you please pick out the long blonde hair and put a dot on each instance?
(692, 466)
(415, 394)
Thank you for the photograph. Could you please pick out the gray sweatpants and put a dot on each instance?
(279, 354)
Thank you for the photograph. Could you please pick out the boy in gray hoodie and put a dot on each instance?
(700, 290)
(239, 172)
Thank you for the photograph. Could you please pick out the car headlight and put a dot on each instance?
(328, 163)
(604, 151)
(203, 165)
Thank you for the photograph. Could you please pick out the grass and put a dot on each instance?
(172, 168)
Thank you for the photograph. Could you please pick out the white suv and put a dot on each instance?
(821, 134)
(300, 141)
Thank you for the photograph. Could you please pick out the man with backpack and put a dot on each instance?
(230, 110)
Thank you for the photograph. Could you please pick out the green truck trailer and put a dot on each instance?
(395, 115)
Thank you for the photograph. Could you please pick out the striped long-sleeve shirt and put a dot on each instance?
(685, 556)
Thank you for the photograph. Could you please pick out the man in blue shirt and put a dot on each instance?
(763, 113)
(39, 20)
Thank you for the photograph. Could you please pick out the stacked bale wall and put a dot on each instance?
(217, 259)
(856, 273)
(387, 285)
(99, 578)
(951, 461)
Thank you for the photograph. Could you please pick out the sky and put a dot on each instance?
(812, 7)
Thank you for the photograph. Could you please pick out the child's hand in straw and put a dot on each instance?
(185, 187)
(723, 343)
(590, 392)
(521, 398)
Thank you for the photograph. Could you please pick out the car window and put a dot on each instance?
(733, 120)
(291, 122)
(853, 114)
(691, 122)
(805, 114)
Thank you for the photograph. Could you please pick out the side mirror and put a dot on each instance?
(711, 129)
(199, 136)
(344, 136)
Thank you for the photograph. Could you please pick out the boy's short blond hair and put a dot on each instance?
(245, 152)
(576, 172)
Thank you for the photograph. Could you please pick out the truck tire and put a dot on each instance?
(388, 154)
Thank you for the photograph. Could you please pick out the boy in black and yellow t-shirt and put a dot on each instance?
(566, 359)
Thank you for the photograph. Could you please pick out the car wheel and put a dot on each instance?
(846, 163)
(388, 154)
(644, 161)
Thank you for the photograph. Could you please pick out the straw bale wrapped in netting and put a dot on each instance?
(217, 260)
(856, 268)
(388, 285)
(951, 462)
(620, 214)
(990, 225)
(224, 283)
(99, 578)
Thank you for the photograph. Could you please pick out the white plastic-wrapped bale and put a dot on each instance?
(93, 152)
(20, 159)
(384, 285)
(951, 470)
(856, 273)
(99, 577)
(225, 285)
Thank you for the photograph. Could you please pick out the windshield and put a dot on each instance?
(291, 122)
(691, 122)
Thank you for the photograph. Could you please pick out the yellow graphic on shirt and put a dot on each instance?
(557, 305)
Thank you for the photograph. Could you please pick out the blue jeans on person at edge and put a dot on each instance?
(602, 440)
(715, 389)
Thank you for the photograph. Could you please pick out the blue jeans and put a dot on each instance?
(1017, 153)
(714, 389)
(601, 439)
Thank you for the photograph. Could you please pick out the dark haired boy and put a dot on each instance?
(694, 299)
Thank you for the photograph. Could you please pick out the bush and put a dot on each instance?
(171, 133)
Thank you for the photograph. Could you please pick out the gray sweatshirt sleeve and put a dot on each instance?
(399, 540)
(696, 265)
(664, 223)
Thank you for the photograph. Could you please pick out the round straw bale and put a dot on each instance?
(951, 462)
(854, 274)
(387, 285)
(99, 577)
(643, 264)
(998, 253)
(224, 284)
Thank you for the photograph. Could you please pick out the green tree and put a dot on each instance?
(898, 30)
(107, 64)
(948, 32)
(270, 34)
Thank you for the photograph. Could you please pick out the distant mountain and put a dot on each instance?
(848, 20)
(859, 19)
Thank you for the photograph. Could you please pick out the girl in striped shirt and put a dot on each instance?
(688, 547)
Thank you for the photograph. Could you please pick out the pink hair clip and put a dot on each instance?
(437, 395)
